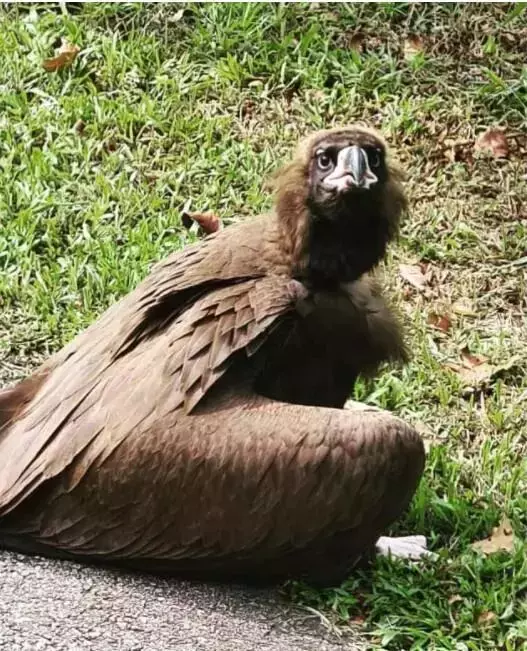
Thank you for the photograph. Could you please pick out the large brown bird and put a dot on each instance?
(198, 426)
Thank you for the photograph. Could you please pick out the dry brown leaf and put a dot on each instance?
(355, 41)
(470, 360)
(463, 307)
(209, 222)
(477, 375)
(501, 539)
(475, 370)
(454, 599)
(79, 126)
(413, 274)
(332, 16)
(428, 435)
(247, 108)
(458, 150)
(358, 620)
(110, 145)
(175, 17)
(439, 321)
(487, 617)
(66, 55)
(412, 46)
(441, 136)
(493, 141)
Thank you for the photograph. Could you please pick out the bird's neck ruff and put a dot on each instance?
(330, 251)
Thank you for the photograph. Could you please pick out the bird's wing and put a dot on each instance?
(94, 401)
(247, 481)
(229, 256)
(232, 255)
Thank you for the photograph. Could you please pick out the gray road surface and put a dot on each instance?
(50, 605)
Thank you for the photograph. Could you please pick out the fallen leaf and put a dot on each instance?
(332, 16)
(247, 108)
(487, 617)
(66, 55)
(454, 599)
(413, 275)
(175, 17)
(358, 620)
(493, 141)
(413, 45)
(463, 307)
(110, 145)
(469, 360)
(354, 41)
(477, 375)
(209, 222)
(439, 321)
(441, 136)
(428, 435)
(501, 539)
(457, 150)
(79, 126)
(475, 370)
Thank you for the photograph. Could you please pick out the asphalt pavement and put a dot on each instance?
(48, 605)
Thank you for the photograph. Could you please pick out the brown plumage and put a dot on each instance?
(197, 426)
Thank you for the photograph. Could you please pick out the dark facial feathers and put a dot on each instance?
(342, 199)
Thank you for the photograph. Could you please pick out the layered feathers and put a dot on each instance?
(161, 435)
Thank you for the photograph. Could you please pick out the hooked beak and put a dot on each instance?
(352, 171)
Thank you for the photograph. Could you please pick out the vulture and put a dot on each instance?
(199, 427)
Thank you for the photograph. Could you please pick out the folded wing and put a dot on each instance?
(95, 398)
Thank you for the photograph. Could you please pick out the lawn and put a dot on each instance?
(177, 107)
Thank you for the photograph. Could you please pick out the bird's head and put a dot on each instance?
(343, 165)
(345, 168)
(341, 191)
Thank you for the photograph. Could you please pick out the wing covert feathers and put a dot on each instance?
(254, 479)
(93, 391)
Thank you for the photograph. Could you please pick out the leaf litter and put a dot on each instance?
(501, 539)
(207, 222)
(65, 56)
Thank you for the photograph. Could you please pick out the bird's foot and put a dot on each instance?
(412, 547)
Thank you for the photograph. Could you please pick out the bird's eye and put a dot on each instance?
(324, 161)
(374, 158)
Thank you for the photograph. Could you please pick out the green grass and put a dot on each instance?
(191, 107)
